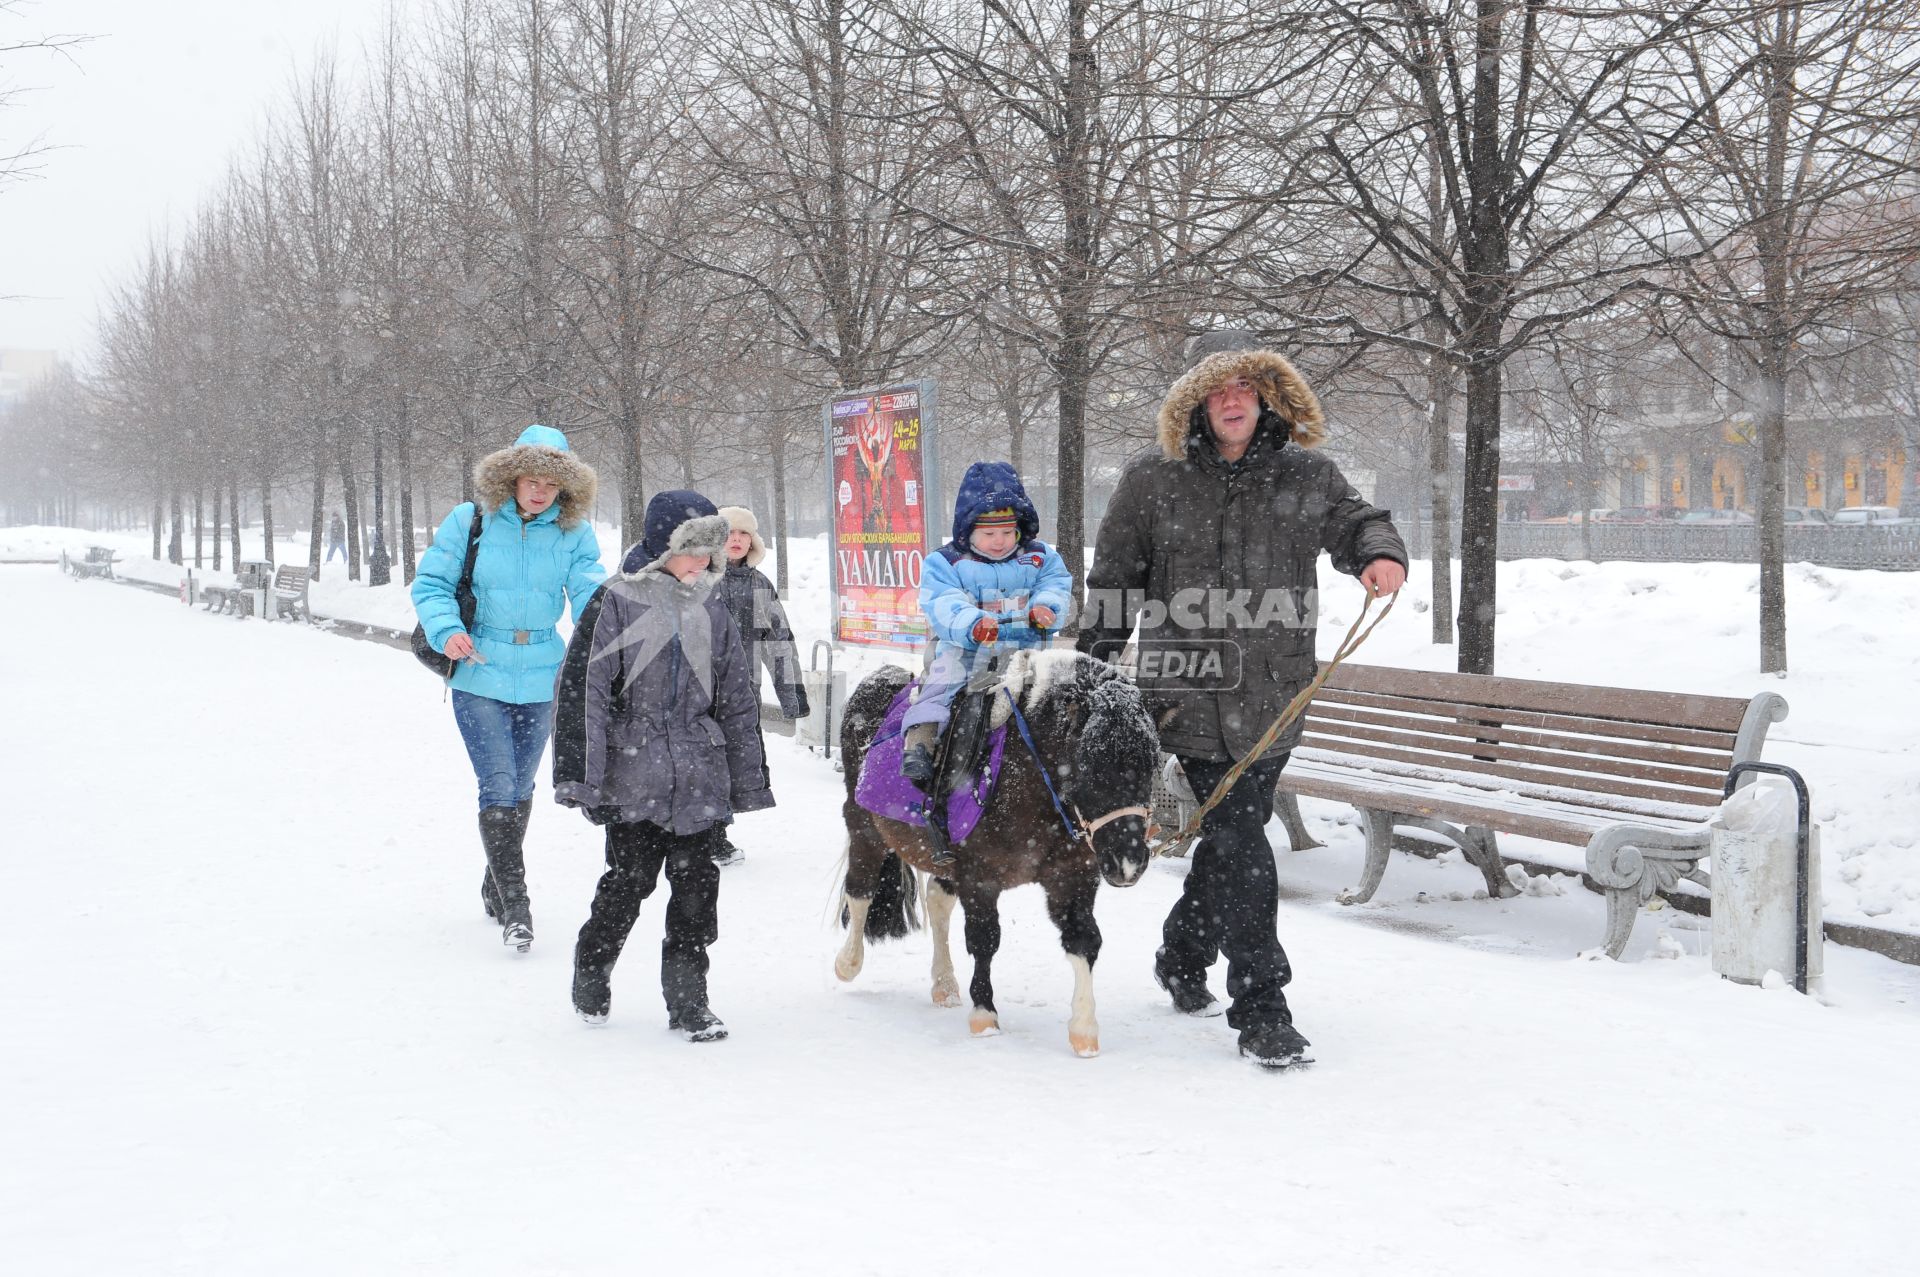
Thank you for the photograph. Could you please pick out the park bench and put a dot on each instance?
(289, 597)
(98, 562)
(249, 577)
(1632, 776)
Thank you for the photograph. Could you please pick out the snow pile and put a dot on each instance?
(255, 1022)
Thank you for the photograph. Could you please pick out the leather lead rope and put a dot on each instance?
(1177, 844)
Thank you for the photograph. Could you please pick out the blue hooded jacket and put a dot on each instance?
(526, 574)
(958, 586)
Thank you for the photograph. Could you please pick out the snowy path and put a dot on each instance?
(255, 1022)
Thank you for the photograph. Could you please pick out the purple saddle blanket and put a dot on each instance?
(883, 791)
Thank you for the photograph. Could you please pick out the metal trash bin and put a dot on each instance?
(826, 695)
(1765, 880)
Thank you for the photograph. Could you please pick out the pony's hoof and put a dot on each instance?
(1085, 1045)
(946, 995)
(983, 1024)
(846, 969)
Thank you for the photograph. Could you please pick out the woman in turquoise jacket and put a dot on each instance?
(537, 556)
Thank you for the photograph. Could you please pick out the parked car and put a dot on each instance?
(1645, 514)
(1868, 516)
(1715, 518)
(1598, 515)
(1810, 516)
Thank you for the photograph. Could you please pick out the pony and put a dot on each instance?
(1100, 751)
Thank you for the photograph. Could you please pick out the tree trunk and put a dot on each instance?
(199, 520)
(235, 513)
(350, 498)
(1069, 529)
(1440, 490)
(779, 512)
(1770, 505)
(179, 515)
(1480, 519)
(319, 520)
(404, 447)
(633, 481)
(217, 494)
(159, 521)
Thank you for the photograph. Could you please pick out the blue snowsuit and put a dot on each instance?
(958, 587)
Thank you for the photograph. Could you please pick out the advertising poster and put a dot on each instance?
(880, 467)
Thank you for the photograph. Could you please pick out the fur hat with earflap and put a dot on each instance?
(541, 452)
(679, 522)
(740, 519)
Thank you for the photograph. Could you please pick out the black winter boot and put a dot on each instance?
(697, 1023)
(1190, 996)
(503, 832)
(592, 994)
(1275, 1046)
(916, 760)
(489, 895)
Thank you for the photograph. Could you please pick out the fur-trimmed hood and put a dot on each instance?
(1284, 394)
(740, 519)
(539, 452)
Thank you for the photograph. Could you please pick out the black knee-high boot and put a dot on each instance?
(503, 832)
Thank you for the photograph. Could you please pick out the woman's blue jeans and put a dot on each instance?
(505, 743)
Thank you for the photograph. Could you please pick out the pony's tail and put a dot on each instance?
(895, 911)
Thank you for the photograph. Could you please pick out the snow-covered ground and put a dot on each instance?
(1853, 728)
(255, 1021)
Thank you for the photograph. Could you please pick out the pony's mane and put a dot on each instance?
(1035, 676)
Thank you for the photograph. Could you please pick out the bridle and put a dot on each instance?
(1085, 829)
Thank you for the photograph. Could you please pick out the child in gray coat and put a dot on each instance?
(656, 737)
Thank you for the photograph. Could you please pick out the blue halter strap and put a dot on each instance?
(1020, 721)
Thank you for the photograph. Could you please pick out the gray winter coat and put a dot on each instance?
(655, 716)
(1218, 560)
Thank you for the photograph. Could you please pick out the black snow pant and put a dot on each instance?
(1231, 900)
(635, 855)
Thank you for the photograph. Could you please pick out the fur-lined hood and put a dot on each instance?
(539, 452)
(1283, 392)
(741, 519)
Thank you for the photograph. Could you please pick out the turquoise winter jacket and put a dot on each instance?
(524, 577)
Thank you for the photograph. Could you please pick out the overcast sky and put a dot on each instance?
(148, 116)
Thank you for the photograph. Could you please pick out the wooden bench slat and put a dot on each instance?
(1715, 761)
(1512, 771)
(1697, 737)
(1676, 709)
(1569, 825)
(1470, 754)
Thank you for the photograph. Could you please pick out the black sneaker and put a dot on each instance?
(725, 853)
(1190, 997)
(1275, 1046)
(592, 997)
(697, 1023)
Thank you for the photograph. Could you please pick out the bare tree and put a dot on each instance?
(1797, 213)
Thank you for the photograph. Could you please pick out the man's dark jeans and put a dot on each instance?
(1232, 898)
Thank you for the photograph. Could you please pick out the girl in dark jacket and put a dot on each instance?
(765, 635)
(655, 737)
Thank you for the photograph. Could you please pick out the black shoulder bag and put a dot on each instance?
(439, 662)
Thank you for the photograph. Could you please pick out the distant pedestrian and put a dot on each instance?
(537, 555)
(765, 636)
(336, 537)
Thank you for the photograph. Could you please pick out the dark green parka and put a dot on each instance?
(1216, 560)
